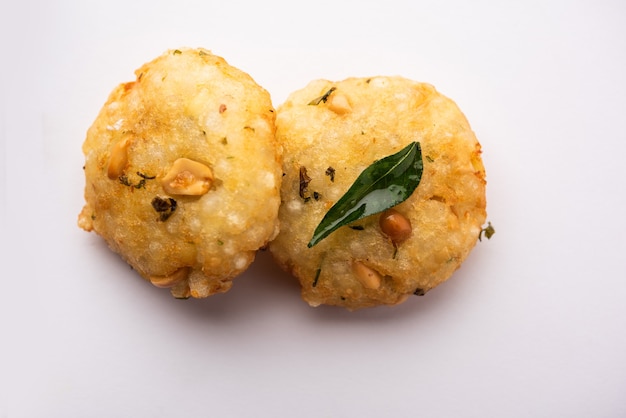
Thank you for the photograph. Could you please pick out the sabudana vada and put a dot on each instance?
(331, 132)
(183, 173)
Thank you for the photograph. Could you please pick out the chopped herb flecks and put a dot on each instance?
(488, 231)
(140, 184)
(330, 172)
(304, 183)
(317, 276)
(322, 98)
(145, 176)
(165, 207)
(124, 180)
(304, 187)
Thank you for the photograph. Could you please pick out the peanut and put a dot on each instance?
(395, 225)
(171, 279)
(339, 104)
(187, 177)
(118, 159)
(367, 276)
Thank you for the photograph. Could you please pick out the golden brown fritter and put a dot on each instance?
(330, 132)
(183, 172)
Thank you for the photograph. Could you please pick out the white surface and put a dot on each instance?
(533, 324)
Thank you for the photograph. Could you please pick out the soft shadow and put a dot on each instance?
(445, 297)
(265, 291)
(417, 306)
(263, 287)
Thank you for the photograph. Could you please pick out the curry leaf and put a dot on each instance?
(384, 184)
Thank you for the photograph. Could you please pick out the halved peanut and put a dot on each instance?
(171, 279)
(339, 104)
(118, 159)
(395, 225)
(367, 276)
(188, 177)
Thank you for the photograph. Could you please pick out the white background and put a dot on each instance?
(532, 325)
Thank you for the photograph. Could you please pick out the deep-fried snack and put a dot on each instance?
(330, 132)
(183, 173)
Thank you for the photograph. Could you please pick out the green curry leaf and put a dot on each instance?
(384, 184)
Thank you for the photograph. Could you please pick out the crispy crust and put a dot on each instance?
(190, 104)
(362, 120)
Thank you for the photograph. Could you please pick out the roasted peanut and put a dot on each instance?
(118, 159)
(187, 177)
(367, 276)
(339, 104)
(171, 279)
(395, 225)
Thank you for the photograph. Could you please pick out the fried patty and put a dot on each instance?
(330, 132)
(183, 172)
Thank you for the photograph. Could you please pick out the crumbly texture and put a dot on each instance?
(183, 173)
(363, 120)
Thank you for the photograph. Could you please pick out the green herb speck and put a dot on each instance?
(323, 98)
(488, 231)
(317, 276)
